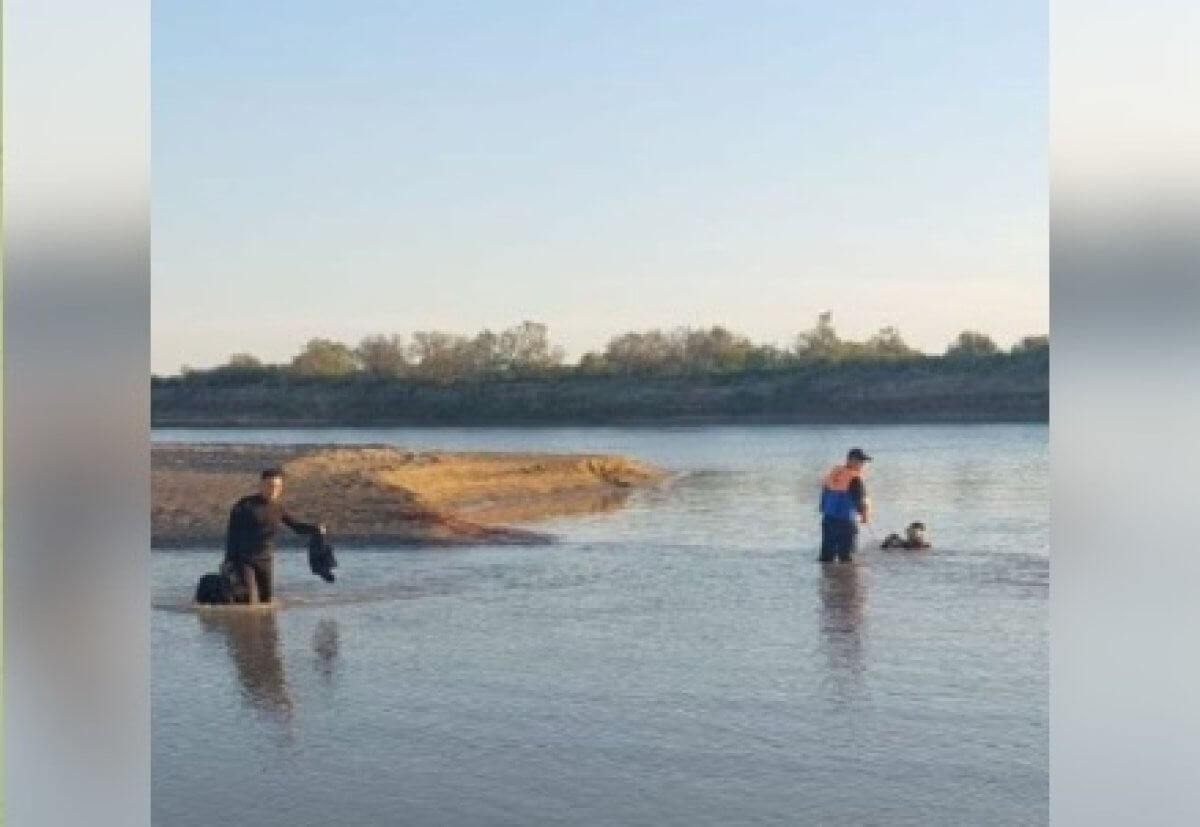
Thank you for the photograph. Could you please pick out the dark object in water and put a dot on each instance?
(221, 588)
(213, 589)
(320, 557)
(914, 538)
(896, 541)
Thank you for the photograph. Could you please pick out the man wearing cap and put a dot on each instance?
(843, 504)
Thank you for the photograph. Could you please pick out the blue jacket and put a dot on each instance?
(842, 494)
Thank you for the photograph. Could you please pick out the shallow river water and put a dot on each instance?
(683, 660)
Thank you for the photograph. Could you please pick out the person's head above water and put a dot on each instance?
(270, 484)
(857, 458)
(915, 532)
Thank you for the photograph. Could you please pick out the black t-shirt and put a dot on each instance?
(253, 524)
(858, 493)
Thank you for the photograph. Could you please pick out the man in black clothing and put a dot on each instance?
(254, 521)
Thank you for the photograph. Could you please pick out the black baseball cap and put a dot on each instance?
(857, 454)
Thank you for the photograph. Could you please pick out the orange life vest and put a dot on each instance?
(836, 502)
(840, 477)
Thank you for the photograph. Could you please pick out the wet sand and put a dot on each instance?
(379, 495)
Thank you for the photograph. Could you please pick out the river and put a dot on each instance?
(683, 660)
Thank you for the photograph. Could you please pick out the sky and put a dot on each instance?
(345, 169)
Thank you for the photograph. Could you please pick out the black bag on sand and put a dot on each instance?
(320, 557)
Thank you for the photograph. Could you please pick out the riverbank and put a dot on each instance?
(379, 495)
(1003, 388)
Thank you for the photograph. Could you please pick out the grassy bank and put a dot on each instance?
(1002, 387)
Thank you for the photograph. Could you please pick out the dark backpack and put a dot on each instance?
(214, 589)
(221, 588)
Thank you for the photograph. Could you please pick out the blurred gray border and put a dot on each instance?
(76, 418)
(76, 353)
(1125, 301)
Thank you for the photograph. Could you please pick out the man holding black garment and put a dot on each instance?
(254, 521)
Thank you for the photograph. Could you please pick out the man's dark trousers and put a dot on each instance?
(256, 575)
(838, 540)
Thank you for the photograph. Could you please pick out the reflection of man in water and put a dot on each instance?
(843, 598)
(253, 641)
(325, 645)
(254, 521)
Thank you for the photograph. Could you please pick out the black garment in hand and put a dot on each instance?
(320, 557)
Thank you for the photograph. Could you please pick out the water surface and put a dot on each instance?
(681, 661)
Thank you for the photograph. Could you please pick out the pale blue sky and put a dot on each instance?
(349, 168)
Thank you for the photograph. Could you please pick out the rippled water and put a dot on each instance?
(682, 661)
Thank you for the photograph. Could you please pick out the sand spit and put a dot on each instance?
(380, 495)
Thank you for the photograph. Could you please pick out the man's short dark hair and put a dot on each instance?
(920, 526)
(273, 473)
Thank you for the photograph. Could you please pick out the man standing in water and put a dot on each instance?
(843, 503)
(254, 521)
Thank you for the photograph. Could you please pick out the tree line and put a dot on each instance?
(525, 350)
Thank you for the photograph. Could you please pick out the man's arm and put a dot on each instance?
(301, 527)
(231, 533)
(858, 495)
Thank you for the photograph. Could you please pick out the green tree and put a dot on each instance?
(713, 350)
(767, 357)
(593, 363)
(526, 348)
(441, 356)
(971, 345)
(382, 355)
(1032, 344)
(888, 344)
(325, 357)
(820, 342)
(244, 361)
(650, 352)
